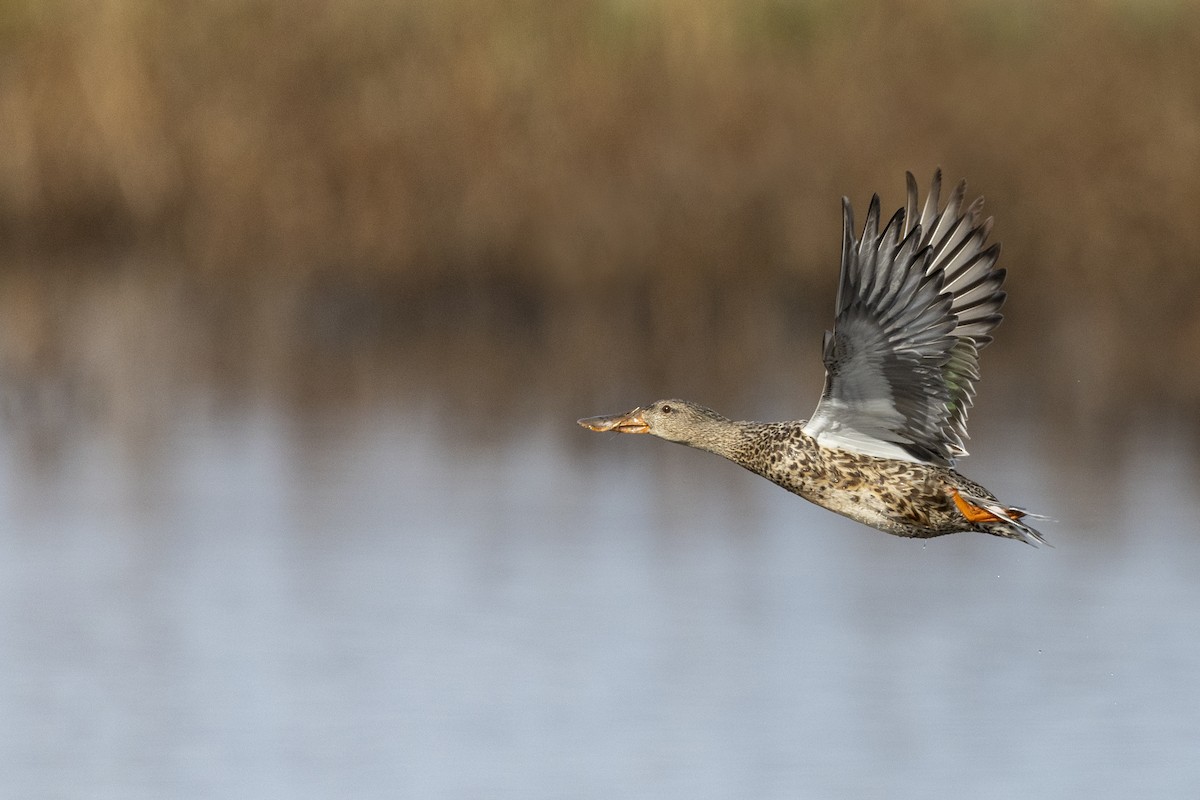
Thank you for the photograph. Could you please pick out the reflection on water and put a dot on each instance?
(283, 604)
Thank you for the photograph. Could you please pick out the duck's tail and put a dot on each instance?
(1012, 522)
(1006, 521)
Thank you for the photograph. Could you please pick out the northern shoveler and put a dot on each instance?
(915, 305)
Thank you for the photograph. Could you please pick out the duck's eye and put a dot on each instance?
(666, 409)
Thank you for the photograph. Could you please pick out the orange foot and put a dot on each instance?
(972, 512)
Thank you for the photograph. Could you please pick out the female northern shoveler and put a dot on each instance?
(915, 305)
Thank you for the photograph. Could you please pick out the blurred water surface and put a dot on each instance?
(266, 602)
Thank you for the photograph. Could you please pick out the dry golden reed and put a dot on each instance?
(544, 164)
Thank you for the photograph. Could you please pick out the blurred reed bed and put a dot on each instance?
(591, 188)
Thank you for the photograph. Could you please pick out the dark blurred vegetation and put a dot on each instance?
(565, 192)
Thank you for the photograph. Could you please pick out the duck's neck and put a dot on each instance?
(725, 437)
(779, 451)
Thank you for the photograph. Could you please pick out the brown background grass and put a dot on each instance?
(571, 180)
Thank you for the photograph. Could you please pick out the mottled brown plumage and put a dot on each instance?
(916, 304)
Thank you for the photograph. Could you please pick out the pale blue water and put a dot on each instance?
(263, 605)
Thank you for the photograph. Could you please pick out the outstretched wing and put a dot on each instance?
(915, 305)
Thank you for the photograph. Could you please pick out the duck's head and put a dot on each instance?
(674, 420)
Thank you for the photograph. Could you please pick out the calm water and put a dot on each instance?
(263, 604)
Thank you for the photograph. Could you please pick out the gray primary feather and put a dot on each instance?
(915, 305)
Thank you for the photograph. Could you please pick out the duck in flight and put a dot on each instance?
(915, 305)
